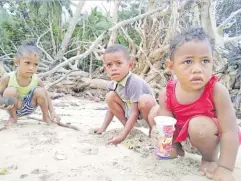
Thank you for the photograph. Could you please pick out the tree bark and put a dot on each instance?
(74, 20)
(114, 17)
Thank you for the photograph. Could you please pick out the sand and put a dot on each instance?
(33, 151)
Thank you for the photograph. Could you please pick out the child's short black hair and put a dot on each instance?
(29, 48)
(189, 35)
(118, 48)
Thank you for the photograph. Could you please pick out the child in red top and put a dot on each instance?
(201, 105)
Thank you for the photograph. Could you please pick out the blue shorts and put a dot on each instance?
(27, 107)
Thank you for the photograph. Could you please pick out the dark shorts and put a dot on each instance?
(27, 107)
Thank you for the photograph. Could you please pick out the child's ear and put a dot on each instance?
(214, 60)
(16, 61)
(131, 61)
(169, 64)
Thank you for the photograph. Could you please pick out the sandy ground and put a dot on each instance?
(36, 152)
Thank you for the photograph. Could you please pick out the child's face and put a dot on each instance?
(116, 65)
(193, 63)
(28, 64)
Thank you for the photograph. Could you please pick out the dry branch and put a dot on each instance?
(71, 27)
(229, 39)
(131, 20)
(58, 123)
(38, 40)
(83, 55)
(226, 21)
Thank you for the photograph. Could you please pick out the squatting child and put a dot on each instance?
(26, 87)
(201, 105)
(129, 97)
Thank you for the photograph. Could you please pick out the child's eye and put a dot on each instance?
(27, 63)
(206, 61)
(36, 64)
(118, 63)
(108, 65)
(187, 62)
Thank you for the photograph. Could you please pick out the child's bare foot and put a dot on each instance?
(207, 168)
(11, 121)
(47, 119)
(177, 150)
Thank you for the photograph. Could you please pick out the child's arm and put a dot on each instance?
(108, 118)
(3, 84)
(128, 126)
(160, 110)
(228, 126)
(164, 111)
(50, 105)
(131, 121)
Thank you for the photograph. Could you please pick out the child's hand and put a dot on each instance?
(222, 174)
(116, 140)
(6, 108)
(54, 116)
(99, 131)
(153, 132)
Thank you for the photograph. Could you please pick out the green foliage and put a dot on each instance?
(128, 11)
(11, 31)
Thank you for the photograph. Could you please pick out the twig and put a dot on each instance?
(226, 21)
(70, 30)
(45, 52)
(58, 123)
(83, 55)
(230, 39)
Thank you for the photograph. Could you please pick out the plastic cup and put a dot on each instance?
(165, 126)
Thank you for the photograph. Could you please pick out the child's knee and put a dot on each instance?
(110, 96)
(10, 92)
(202, 127)
(39, 92)
(146, 101)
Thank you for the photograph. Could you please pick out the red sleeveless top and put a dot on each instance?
(203, 106)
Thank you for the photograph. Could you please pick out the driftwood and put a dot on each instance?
(58, 123)
(59, 80)
(81, 83)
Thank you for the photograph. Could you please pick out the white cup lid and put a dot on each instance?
(165, 120)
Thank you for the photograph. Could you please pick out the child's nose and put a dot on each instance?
(196, 69)
(114, 67)
(31, 67)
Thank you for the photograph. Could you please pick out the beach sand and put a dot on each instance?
(33, 151)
